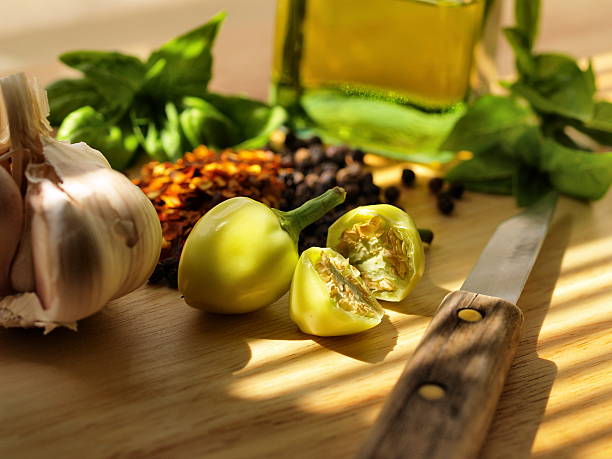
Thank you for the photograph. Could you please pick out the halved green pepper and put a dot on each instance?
(240, 256)
(383, 243)
(328, 296)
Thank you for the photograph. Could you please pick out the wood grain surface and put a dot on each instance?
(150, 377)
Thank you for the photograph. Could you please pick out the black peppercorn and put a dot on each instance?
(336, 153)
(392, 194)
(357, 156)
(290, 138)
(311, 180)
(435, 185)
(317, 154)
(298, 177)
(327, 179)
(408, 177)
(302, 159)
(352, 192)
(293, 142)
(329, 166)
(158, 275)
(373, 192)
(309, 241)
(320, 231)
(302, 193)
(349, 174)
(366, 180)
(456, 190)
(445, 204)
(315, 168)
(286, 161)
(168, 272)
(444, 195)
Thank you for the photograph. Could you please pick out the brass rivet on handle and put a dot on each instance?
(469, 315)
(430, 391)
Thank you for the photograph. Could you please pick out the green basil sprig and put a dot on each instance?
(123, 105)
(522, 143)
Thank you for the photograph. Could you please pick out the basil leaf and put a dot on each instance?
(261, 123)
(488, 166)
(526, 147)
(599, 127)
(66, 96)
(253, 120)
(182, 67)
(486, 122)
(151, 142)
(116, 76)
(162, 136)
(527, 19)
(501, 186)
(515, 155)
(522, 52)
(602, 117)
(577, 173)
(489, 172)
(559, 86)
(529, 185)
(171, 137)
(203, 123)
(386, 128)
(87, 125)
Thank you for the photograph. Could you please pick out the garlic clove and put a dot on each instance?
(89, 247)
(130, 220)
(11, 223)
(22, 270)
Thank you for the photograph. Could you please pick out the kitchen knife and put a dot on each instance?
(445, 399)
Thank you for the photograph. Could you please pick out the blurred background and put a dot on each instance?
(35, 32)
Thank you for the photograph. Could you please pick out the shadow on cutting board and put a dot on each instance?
(371, 346)
(523, 401)
(419, 302)
(273, 323)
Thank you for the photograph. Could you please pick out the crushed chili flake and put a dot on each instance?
(182, 192)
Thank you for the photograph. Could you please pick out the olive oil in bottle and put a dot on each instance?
(408, 53)
(411, 51)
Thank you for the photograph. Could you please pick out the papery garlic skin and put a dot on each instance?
(94, 235)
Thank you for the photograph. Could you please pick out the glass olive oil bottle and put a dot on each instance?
(415, 53)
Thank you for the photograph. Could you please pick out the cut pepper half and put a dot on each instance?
(383, 243)
(328, 296)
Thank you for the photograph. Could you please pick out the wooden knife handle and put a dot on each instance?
(444, 401)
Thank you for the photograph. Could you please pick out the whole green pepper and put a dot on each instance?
(240, 256)
(328, 296)
(383, 243)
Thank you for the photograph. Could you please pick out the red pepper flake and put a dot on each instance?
(184, 191)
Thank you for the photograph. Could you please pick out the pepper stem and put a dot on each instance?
(294, 221)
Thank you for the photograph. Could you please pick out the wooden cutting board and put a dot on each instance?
(150, 377)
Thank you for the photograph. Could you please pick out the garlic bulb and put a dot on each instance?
(86, 234)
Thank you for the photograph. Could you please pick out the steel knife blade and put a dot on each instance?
(506, 261)
(443, 403)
